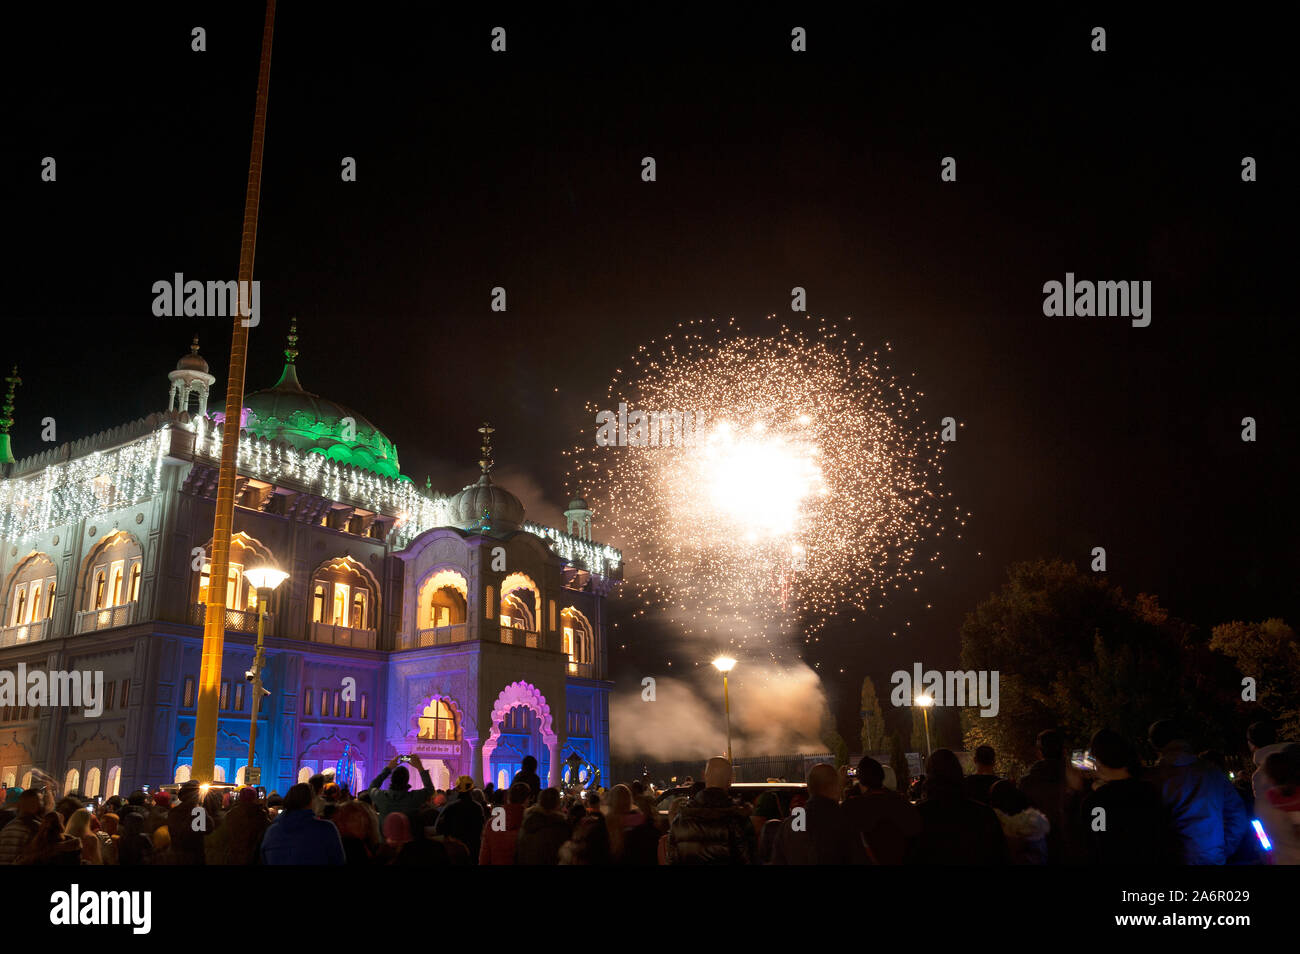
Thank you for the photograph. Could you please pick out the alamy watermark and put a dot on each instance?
(82, 689)
(647, 428)
(948, 688)
(194, 299)
(1087, 299)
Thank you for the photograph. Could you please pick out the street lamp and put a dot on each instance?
(262, 579)
(925, 702)
(724, 665)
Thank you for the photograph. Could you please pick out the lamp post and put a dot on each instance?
(724, 665)
(925, 702)
(262, 578)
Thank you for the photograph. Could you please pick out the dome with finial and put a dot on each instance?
(193, 361)
(577, 503)
(485, 505)
(316, 424)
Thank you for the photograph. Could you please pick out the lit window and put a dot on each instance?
(225, 695)
(187, 698)
(239, 697)
(306, 702)
(101, 583)
(134, 593)
(363, 705)
(49, 601)
(126, 692)
(437, 722)
(318, 604)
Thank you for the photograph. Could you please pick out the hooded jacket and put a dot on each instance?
(300, 838)
(540, 836)
(498, 847)
(1206, 816)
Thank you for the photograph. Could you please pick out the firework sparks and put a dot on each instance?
(808, 489)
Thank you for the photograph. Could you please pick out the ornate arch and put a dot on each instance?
(521, 694)
(36, 556)
(414, 731)
(349, 562)
(88, 564)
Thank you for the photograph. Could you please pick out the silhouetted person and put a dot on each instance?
(955, 830)
(1130, 827)
(883, 820)
(985, 776)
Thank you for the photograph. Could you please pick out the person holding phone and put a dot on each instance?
(400, 797)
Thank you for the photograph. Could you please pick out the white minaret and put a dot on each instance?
(190, 378)
(579, 517)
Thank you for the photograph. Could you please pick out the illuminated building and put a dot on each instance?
(411, 622)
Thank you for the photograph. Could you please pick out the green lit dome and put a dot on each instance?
(316, 424)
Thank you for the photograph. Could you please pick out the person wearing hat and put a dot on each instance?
(400, 797)
(9, 811)
(463, 818)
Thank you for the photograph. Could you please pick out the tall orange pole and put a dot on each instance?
(214, 624)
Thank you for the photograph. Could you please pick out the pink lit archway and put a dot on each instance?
(522, 694)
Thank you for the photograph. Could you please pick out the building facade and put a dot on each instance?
(410, 622)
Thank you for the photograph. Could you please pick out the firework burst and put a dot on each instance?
(807, 487)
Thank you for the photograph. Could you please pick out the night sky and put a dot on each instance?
(775, 169)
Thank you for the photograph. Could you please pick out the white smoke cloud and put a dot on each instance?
(774, 711)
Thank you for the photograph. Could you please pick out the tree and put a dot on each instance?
(873, 719)
(1268, 653)
(1073, 653)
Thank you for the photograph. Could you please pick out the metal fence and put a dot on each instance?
(789, 768)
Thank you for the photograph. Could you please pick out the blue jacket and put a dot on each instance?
(1206, 816)
(300, 838)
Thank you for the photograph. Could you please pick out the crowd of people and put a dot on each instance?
(1183, 809)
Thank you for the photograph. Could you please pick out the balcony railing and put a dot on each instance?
(343, 636)
(241, 621)
(438, 636)
(23, 633)
(91, 621)
(510, 636)
(581, 669)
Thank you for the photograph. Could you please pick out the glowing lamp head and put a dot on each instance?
(724, 664)
(265, 577)
(925, 700)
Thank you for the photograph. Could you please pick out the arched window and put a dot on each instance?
(134, 593)
(114, 781)
(92, 782)
(520, 602)
(305, 773)
(30, 598)
(218, 772)
(8, 780)
(576, 638)
(245, 553)
(71, 781)
(182, 774)
(116, 587)
(27, 780)
(101, 582)
(442, 600)
(343, 595)
(438, 722)
(318, 604)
